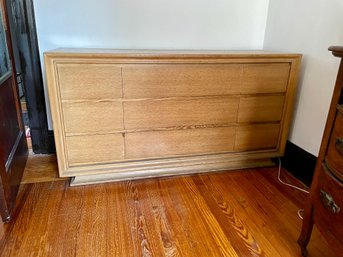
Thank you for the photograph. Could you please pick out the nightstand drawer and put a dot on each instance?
(334, 156)
(328, 209)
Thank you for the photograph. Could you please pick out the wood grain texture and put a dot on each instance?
(10, 125)
(334, 156)
(166, 91)
(179, 142)
(244, 213)
(13, 147)
(40, 168)
(261, 108)
(259, 136)
(170, 80)
(265, 78)
(326, 220)
(95, 149)
(324, 178)
(92, 117)
(180, 112)
(89, 81)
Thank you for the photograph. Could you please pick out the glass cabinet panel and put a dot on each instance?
(5, 65)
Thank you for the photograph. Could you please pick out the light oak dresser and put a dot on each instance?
(134, 114)
(325, 204)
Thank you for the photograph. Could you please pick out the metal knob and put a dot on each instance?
(329, 203)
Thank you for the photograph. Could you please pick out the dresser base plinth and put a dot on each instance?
(165, 171)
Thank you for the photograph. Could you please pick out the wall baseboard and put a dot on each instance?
(299, 162)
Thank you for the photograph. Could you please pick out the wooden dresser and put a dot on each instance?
(325, 206)
(134, 114)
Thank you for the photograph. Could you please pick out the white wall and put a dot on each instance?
(308, 27)
(151, 24)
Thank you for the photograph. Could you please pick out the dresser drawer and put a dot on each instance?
(89, 81)
(265, 78)
(179, 142)
(168, 80)
(257, 137)
(92, 117)
(179, 113)
(334, 157)
(261, 108)
(328, 204)
(94, 149)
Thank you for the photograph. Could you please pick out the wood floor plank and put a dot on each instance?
(181, 219)
(244, 213)
(221, 241)
(278, 220)
(242, 241)
(249, 216)
(141, 222)
(163, 225)
(40, 168)
(189, 222)
(274, 215)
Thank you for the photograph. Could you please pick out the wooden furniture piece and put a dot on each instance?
(325, 206)
(134, 114)
(13, 146)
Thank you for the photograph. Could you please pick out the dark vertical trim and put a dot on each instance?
(27, 43)
(299, 162)
(36, 99)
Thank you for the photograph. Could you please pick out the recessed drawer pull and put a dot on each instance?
(339, 145)
(329, 203)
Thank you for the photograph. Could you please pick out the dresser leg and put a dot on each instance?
(306, 230)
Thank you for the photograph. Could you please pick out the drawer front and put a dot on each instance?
(97, 117)
(178, 113)
(328, 204)
(259, 136)
(94, 149)
(334, 156)
(260, 109)
(89, 81)
(168, 80)
(179, 142)
(265, 78)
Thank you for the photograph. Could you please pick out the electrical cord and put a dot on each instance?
(287, 184)
(300, 211)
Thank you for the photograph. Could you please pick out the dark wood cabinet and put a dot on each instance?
(13, 147)
(325, 205)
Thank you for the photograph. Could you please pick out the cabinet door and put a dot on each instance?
(13, 147)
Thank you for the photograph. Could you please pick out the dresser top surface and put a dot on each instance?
(117, 53)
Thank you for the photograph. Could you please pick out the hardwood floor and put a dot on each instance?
(243, 213)
(40, 168)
